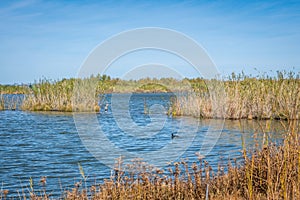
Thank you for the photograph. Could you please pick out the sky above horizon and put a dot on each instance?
(51, 39)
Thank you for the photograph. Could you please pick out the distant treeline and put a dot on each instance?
(106, 84)
(14, 89)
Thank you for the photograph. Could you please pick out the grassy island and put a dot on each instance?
(234, 97)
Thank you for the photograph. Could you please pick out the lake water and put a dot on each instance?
(35, 144)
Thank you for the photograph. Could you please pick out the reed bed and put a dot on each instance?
(65, 95)
(148, 85)
(14, 89)
(9, 102)
(242, 97)
(1, 102)
(267, 171)
(235, 97)
(11, 96)
(49, 96)
(82, 95)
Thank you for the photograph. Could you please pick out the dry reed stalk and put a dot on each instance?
(1, 102)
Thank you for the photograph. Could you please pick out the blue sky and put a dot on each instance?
(52, 38)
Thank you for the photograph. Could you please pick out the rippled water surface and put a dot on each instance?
(35, 144)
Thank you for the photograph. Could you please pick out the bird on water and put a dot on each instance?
(174, 136)
(106, 107)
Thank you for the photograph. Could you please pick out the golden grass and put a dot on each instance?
(81, 95)
(14, 89)
(9, 103)
(1, 102)
(66, 95)
(237, 97)
(242, 97)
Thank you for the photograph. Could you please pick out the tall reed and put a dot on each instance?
(236, 97)
(62, 96)
(82, 94)
(1, 102)
(14, 89)
(10, 102)
(243, 97)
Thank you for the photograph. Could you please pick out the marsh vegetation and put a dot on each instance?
(242, 97)
(268, 170)
(234, 97)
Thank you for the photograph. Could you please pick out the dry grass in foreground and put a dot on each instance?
(267, 172)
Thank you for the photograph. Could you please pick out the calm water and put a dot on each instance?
(35, 144)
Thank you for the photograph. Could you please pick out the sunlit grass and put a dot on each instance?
(62, 96)
(243, 97)
(9, 102)
(236, 97)
(1, 102)
(14, 89)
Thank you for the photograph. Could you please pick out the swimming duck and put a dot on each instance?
(174, 136)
